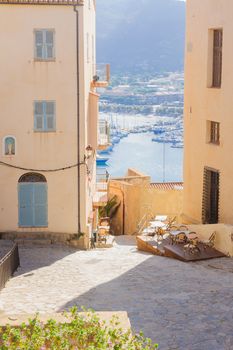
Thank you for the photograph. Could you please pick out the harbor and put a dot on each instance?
(153, 145)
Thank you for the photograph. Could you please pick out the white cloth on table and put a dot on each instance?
(161, 218)
(148, 230)
(157, 224)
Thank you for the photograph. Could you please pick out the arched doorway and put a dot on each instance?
(32, 200)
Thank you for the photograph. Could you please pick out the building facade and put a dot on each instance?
(208, 172)
(48, 115)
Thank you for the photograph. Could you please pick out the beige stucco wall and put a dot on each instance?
(139, 199)
(224, 236)
(22, 82)
(203, 103)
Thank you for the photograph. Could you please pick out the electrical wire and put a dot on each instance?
(43, 170)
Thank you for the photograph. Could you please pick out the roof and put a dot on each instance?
(42, 2)
(168, 185)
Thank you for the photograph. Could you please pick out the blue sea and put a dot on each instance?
(158, 160)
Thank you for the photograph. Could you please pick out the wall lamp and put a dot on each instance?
(89, 152)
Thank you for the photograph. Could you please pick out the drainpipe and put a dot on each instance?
(78, 118)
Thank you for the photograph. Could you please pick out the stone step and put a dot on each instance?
(55, 237)
(33, 241)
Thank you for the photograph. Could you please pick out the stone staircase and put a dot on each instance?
(39, 238)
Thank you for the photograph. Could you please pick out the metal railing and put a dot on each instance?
(9, 264)
(104, 133)
(143, 222)
(102, 180)
(101, 73)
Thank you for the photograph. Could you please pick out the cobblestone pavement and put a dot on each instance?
(184, 306)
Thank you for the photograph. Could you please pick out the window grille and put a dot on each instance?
(214, 132)
(210, 199)
(32, 177)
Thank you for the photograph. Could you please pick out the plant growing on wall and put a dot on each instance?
(110, 208)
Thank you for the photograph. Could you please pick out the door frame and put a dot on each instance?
(32, 179)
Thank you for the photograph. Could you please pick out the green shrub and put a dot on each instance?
(78, 333)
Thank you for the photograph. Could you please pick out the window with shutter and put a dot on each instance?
(44, 116)
(44, 44)
(39, 44)
(217, 58)
(210, 198)
(213, 132)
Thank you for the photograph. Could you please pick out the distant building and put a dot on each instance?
(48, 116)
(208, 169)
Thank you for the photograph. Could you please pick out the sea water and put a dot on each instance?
(160, 161)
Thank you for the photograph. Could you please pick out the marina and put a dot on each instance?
(159, 160)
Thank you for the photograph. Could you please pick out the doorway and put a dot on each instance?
(33, 200)
(210, 200)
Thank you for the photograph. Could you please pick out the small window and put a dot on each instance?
(9, 146)
(44, 116)
(217, 58)
(213, 132)
(44, 44)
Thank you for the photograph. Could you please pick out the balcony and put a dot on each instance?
(101, 76)
(103, 135)
(101, 196)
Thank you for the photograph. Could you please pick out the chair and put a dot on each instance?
(180, 238)
(172, 228)
(171, 222)
(149, 232)
(103, 233)
(192, 246)
(192, 236)
(160, 232)
(183, 228)
(104, 221)
(172, 237)
(209, 243)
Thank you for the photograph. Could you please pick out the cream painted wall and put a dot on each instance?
(139, 199)
(224, 236)
(22, 81)
(203, 103)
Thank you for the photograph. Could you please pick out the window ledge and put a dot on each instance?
(213, 143)
(44, 60)
(214, 87)
(8, 155)
(44, 131)
(32, 227)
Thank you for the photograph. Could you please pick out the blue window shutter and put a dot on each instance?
(39, 52)
(49, 43)
(40, 205)
(50, 116)
(44, 44)
(25, 203)
(38, 116)
(44, 116)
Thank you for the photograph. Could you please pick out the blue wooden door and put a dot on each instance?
(33, 207)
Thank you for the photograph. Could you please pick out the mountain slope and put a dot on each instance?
(142, 33)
